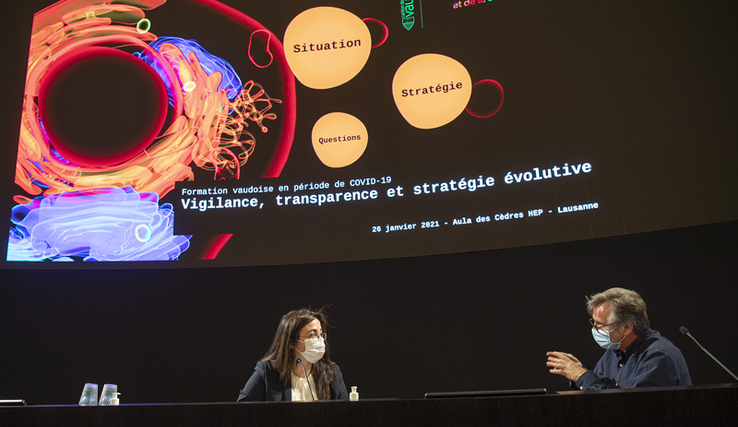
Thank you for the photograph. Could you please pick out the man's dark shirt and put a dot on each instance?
(649, 361)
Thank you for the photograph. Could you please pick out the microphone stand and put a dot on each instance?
(685, 331)
(298, 360)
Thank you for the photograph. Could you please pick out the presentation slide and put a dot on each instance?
(237, 133)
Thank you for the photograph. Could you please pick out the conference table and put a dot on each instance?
(695, 405)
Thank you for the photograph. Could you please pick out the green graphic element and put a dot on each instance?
(143, 26)
(407, 12)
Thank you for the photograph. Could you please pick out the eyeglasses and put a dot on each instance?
(599, 328)
(316, 335)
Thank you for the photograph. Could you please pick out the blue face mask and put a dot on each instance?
(603, 339)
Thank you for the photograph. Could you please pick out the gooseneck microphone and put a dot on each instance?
(685, 331)
(298, 360)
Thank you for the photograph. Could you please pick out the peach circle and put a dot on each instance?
(431, 90)
(326, 46)
(339, 139)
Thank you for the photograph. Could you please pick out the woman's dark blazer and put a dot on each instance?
(265, 385)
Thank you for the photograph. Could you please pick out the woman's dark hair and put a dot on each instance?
(280, 353)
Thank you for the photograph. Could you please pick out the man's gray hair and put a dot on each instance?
(626, 306)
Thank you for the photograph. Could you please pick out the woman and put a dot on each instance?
(298, 351)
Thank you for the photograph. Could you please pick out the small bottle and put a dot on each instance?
(115, 401)
(354, 395)
(107, 393)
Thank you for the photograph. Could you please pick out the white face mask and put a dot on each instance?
(314, 349)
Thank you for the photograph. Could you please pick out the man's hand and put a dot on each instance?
(565, 364)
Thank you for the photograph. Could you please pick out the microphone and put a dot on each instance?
(298, 360)
(685, 331)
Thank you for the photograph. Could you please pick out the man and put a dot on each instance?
(635, 356)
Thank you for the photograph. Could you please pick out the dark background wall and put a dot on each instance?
(472, 321)
(401, 327)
